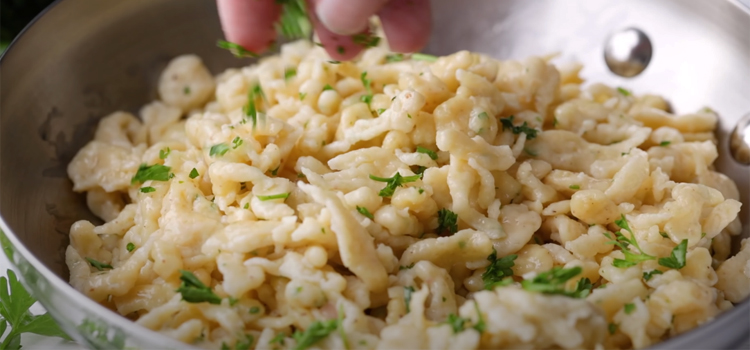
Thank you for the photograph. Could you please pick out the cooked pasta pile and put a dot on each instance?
(402, 201)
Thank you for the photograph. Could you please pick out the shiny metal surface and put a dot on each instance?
(628, 52)
(86, 58)
(739, 141)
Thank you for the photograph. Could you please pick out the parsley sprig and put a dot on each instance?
(499, 273)
(251, 109)
(523, 128)
(393, 182)
(194, 291)
(677, 259)
(447, 222)
(236, 49)
(365, 212)
(15, 302)
(294, 23)
(318, 330)
(432, 154)
(553, 282)
(624, 243)
(366, 40)
(367, 97)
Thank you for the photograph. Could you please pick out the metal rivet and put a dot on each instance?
(628, 52)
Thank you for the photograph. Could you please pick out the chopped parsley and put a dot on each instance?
(393, 182)
(290, 73)
(318, 330)
(499, 273)
(148, 189)
(397, 57)
(236, 49)
(340, 49)
(279, 338)
(648, 275)
(275, 171)
(328, 87)
(367, 97)
(664, 143)
(130, 247)
(334, 62)
(98, 265)
(423, 57)
(623, 242)
(456, 322)
(407, 297)
(254, 309)
(274, 196)
(246, 206)
(629, 308)
(380, 111)
(193, 173)
(294, 22)
(575, 187)
(365, 212)
(612, 328)
(433, 155)
(663, 234)
(164, 153)
(676, 260)
(623, 91)
(366, 40)
(302, 96)
(480, 325)
(186, 90)
(530, 132)
(250, 108)
(237, 142)
(218, 149)
(407, 267)
(194, 291)
(156, 172)
(447, 222)
(553, 282)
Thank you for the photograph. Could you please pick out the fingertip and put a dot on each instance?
(346, 17)
(407, 24)
(339, 47)
(249, 23)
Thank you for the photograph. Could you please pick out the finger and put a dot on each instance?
(339, 47)
(347, 17)
(249, 23)
(406, 24)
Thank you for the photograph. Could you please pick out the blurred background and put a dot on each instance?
(15, 15)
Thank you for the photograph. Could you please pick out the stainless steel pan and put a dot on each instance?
(83, 59)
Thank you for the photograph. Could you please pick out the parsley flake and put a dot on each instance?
(393, 182)
(433, 155)
(676, 260)
(328, 87)
(156, 172)
(366, 40)
(365, 212)
(423, 57)
(318, 330)
(193, 173)
(456, 322)
(302, 96)
(664, 143)
(148, 189)
(499, 273)
(575, 187)
(130, 247)
(631, 258)
(623, 91)
(164, 153)
(237, 142)
(530, 132)
(274, 196)
(397, 57)
(407, 267)
(236, 49)
(553, 282)
(447, 222)
(629, 308)
(98, 265)
(294, 22)
(407, 297)
(219, 149)
(290, 73)
(194, 291)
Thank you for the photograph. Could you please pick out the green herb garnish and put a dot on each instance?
(130, 247)
(423, 57)
(367, 97)
(623, 242)
(317, 331)
(407, 267)
(193, 173)
(447, 222)
(397, 57)
(294, 22)
(623, 91)
(530, 132)
(156, 172)
(433, 155)
(219, 149)
(499, 272)
(553, 282)
(274, 196)
(365, 212)
(366, 40)
(302, 96)
(629, 308)
(290, 73)
(194, 291)
(236, 49)
(98, 265)
(164, 153)
(328, 87)
(647, 275)
(407, 297)
(148, 189)
(677, 259)
(237, 142)
(393, 182)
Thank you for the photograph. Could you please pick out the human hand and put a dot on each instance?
(406, 23)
